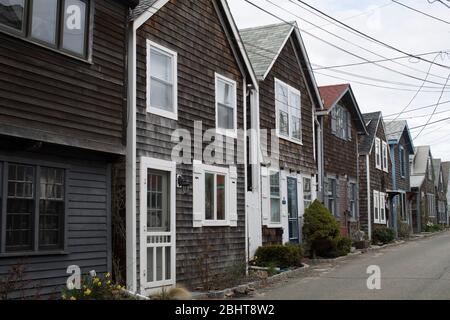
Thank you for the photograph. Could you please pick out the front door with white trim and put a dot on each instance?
(157, 219)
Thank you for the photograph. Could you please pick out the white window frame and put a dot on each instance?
(174, 55)
(274, 223)
(229, 221)
(402, 160)
(378, 159)
(304, 193)
(277, 114)
(385, 156)
(353, 199)
(376, 207)
(226, 132)
(383, 219)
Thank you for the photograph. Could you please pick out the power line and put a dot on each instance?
(421, 12)
(366, 84)
(440, 1)
(416, 94)
(419, 108)
(382, 80)
(434, 111)
(374, 61)
(419, 116)
(339, 37)
(356, 15)
(370, 37)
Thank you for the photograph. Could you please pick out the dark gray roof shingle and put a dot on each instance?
(143, 6)
(395, 129)
(366, 141)
(263, 44)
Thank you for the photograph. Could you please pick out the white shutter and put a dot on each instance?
(333, 120)
(265, 198)
(198, 195)
(232, 200)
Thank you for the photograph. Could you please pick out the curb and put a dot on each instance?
(244, 289)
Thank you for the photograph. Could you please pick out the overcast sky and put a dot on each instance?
(390, 23)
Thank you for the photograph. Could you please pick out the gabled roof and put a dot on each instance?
(395, 130)
(264, 44)
(146, 8)
(416, 181)
(421, 160)
(366, 142)
(333, 94)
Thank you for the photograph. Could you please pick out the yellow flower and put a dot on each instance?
(63, 297)
(108, 282)
(99, 284)
(96, 280)
(87, 292)
(119, 287)
(73, 298)
(108, 275)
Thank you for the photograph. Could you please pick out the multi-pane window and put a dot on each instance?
(430, 170)
(275, 203)
(341, 123)
(20, 208)
(378, 153)
(288, 108)
(61, 25)
(379, 207)
(402, 161)
(158, 202)
(352, 199)
(385, 156)
(35, 207)
(332, 194)
(225, 104)
(215, 204)
(161, 81)
(51, 207)
(307, 194)
(376, 207)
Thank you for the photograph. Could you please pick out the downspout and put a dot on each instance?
(245, 172)
(394, 204)
(369, 205)
(320, 161)
(419, 210)
(131, 264)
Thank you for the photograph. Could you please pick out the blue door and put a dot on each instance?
(294, 231)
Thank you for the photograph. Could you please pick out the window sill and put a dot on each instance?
(33, 254)
(41, 45)
(299, 142)
(230, 133)
(162, 113)
(217, 223)
(274, 226)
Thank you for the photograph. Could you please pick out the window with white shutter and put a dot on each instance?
(214, 196)
(378, 154)
(385, 156)
(376, 207)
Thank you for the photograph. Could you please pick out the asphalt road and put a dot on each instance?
(418, 269)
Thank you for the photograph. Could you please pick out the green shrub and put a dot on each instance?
(382, 235)
(282, 256)
(321, 230)
(344, 246)
(431, 227)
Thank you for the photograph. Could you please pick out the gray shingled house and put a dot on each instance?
(285, 174)
(401, 147)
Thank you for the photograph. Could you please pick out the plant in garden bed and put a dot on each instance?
(382, 235)
(95, 287)
(282, 256)
(322, 233)
(432, 227)
(404, 231)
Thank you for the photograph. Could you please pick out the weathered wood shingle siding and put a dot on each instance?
(48, 96)
(402, 183)
(287, 69)
(88, 225)
(193, 30)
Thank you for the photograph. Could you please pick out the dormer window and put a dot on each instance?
(341, 123)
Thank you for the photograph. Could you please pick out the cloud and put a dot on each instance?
(385, 21)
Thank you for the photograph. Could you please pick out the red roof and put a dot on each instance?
(330, 94)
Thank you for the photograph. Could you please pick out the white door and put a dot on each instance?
(157, 220)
